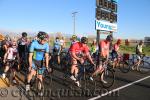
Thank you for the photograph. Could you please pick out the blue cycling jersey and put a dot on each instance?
(57, 44)
(38, 50)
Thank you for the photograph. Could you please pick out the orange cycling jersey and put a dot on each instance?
(104, 48)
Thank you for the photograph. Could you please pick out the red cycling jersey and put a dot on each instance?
(78, 48)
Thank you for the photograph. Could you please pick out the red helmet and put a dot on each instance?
(119, 41)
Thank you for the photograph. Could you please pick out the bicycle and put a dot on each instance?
(122, 63)
(87, 69)
(144, 66)
(9, 77)
(37, 86)
(54, 62)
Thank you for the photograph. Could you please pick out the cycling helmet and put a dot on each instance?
(109, 38)
(7, 38)
(74, 37)
(42, 35)
(24, 34)
(84, 40)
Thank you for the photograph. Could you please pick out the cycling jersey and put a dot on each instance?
(93, 49)
(73, 42)
(78, 48)
(139, 49)
(62, 42)
(104, 45)
(57, 45)
(12, 53)
(38, 50)
(116, 47)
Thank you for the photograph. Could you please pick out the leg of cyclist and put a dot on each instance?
(74, 70)
(58, 56)
(6, 68)
(30, 75)
(136, 65)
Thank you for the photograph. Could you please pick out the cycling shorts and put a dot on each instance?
(38, 65)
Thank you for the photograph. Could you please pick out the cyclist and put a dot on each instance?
(115, 52)
(57, 49)
(9, 60)
(139, 52)
(22, 46)
(38, 53)
(75, 51)
(104, 55)
(4, 45)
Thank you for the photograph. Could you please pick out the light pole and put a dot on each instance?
(74, 25)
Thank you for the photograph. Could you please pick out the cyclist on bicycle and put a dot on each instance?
(139, 53)
(38, 53)
(75, 51)
(104, 55)
(9, 60)
(115, 52)
(57, 49)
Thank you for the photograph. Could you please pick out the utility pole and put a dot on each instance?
(74, 19)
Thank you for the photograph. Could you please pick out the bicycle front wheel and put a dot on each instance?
(144, 67)
(124, 67)
(109, 78)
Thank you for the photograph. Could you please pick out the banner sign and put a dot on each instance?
(105, 26)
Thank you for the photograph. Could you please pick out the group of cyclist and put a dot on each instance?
(37, 52)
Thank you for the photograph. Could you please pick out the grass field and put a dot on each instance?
(131, 49)
(123, 49)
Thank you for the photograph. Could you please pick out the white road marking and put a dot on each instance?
(94, 98)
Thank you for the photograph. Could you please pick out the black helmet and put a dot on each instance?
(42, 35)
(24, 34)
(109, 38)
(84, 40)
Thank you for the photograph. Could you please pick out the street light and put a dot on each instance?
(74, 26)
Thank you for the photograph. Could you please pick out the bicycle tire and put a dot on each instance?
(124, 67)
(109, 77)
(144, 67)
(38, 81)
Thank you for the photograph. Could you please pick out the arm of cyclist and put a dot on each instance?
(30, 61)
(90, 58)
(76, 57)
(18, 58)
(46, 59)
(5, 56)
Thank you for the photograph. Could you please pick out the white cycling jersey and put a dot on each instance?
(12, 53)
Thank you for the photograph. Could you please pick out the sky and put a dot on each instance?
(56, 16)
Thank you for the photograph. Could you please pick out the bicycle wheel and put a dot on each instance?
(124, 67)
(40, 89)
(144, 67)
(109, 77)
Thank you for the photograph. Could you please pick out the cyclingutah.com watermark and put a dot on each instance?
(72, 92)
